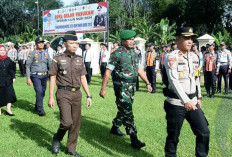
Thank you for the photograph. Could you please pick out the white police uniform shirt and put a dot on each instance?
(12, 54)
(224, 58)
(78, 51)
(181, 71)
(200, 55)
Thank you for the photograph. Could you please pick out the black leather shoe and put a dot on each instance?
(116, 131)
(226, 93)
(9, 114)
(212, 96)
(41, 113)
(55, 145)
(135, 143)
(74, 154)
(207, 95)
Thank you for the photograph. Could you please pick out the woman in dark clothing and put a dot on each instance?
(7, 77)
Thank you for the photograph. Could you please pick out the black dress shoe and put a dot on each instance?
(218, 91)
(212, 96)
(74, 154)
(55, 145)
(41, 113)
(116, 131)
(9, 114)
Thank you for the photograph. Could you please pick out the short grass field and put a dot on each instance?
(28, 135)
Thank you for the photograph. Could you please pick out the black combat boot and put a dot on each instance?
(135, 143)
(116, 131)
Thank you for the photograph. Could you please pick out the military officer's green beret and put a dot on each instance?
(127, 34)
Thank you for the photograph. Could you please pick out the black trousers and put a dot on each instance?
(151, 76)
(175, 116)
(230, 81)
(210, 81)
(223, 71)
(89, 72)
(21, 67)
(103, 69)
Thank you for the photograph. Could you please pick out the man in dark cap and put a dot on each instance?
(183, 96)
(209, 68)
(99, 19)
(174, 46)
(37, 65)
(152, 63)
(125, 63)
(68, 72)
(223, 67)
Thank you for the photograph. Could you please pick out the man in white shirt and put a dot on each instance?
(49, 50)
(88, 58)
(79, 50)
(103, 59)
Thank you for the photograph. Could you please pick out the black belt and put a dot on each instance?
(170, 94)
(68, 88)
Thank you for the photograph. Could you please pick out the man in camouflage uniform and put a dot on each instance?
(125, 62)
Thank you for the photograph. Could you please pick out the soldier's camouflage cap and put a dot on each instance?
(127, 34)
(185, 31)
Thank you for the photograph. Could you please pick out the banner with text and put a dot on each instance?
(82, 19)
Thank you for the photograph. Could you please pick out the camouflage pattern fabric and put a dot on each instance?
(125, 63)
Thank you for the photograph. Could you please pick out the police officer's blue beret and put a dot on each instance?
(127, 34)
(39, 39)
(185, 31)
(70, 35)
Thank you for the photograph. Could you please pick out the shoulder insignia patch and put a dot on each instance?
(171, 61)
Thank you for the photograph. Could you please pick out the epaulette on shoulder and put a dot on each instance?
(59, 54)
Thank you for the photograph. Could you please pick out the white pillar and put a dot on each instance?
(140, 42)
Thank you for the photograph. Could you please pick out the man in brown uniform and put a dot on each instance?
(68, 71)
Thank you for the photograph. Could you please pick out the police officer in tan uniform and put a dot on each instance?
(182, 101)
(68, 71)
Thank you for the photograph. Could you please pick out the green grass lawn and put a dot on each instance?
(27, 134)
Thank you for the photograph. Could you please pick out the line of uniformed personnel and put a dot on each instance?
(180, 74)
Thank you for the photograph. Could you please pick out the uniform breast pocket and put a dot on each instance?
(181, 67)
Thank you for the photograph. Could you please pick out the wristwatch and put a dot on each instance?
(89, 97)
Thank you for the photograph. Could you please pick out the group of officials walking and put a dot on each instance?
(180, 70)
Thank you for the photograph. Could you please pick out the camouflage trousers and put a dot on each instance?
(124, 93)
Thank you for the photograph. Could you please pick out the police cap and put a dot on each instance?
(185, 31)
(39, 39)
(99, 7)
(222, 43)
(151, 44)
(211, 43)
(70, 35)
(127, 34)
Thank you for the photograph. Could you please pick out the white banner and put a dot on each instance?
(82, 19)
